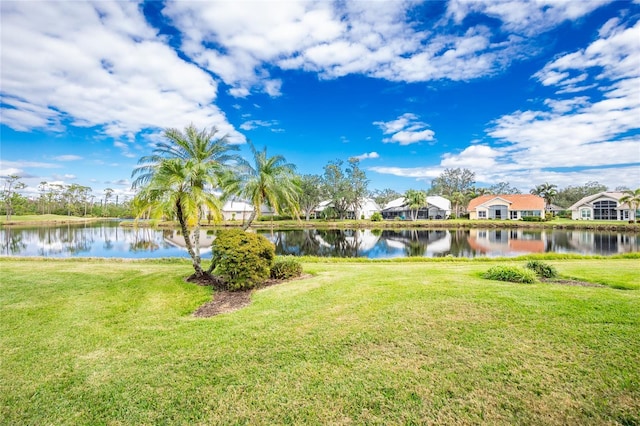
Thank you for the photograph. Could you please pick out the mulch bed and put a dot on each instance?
(228, 301)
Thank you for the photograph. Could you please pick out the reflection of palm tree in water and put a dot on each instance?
(415, 246)
(143, 241)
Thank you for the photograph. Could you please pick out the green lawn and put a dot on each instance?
(110, 342)
(36, 219)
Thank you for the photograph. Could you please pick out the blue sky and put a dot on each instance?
(523, 92)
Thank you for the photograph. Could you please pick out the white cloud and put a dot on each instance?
(405, 130)
(524, 17)
(583, 130)
(98, 64)
(254, 124)
(367, 155)
(241, 44)
(68, 157)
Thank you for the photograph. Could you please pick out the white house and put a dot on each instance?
(602, 206)
(437, 208)
(366, 209)
(237, 209)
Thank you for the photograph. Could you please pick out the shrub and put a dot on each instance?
(376, 217)
(512, 274)
(286, 268)
(532, 219)
(542, 269)
(242, 259)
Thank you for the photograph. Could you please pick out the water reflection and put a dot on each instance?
(110, 240)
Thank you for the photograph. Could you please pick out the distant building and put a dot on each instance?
(437, 208)
(365, 210)
(602, 206)
(506, 206)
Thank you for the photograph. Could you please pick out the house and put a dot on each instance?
(506, 206)
(602, 206)
(437, 208)
(237, 209)
(364, 211)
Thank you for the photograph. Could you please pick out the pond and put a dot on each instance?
(108, 239)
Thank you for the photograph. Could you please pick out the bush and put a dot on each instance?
(542, 269)
(242, 259)
(376, 217)
(512, 274)
(532, 219)
(286, 268)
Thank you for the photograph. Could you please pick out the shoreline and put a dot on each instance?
(344, 224)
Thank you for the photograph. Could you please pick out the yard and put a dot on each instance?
(116, 342)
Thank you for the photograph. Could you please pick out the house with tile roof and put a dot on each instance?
(602, 206)
(506, 206)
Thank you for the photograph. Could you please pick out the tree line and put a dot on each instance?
(54, 198)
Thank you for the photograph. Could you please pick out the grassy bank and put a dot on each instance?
(45, 219)
(101, 341)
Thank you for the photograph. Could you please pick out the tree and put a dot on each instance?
(416, 200)
(547, 191)
(453, 180)
(108, 192)
(11, 185)
(458, 199)
(632, 198)
(270, 181)
(176, 181)
(311, 193)
(42, 188)
(346, 188)
(336, 186)
(382, 197)
(358, 183)
(572, 194)
(503, 188)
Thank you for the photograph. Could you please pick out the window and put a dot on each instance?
(513, 214)
(482, 214)
(585, 214)
(605, 210)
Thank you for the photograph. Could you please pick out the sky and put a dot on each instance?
(524, 92)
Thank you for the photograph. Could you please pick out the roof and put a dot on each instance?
(434, 200)
(588, 200)
(517, 201)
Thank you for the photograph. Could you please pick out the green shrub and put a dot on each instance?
(286, 268)
(532, 219)
(376, 217)
(242, 259)
(542, 269)
(512, 274)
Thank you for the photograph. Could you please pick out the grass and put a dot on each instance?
(108, 342)
(45, 219)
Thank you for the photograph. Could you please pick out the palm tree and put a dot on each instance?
(547, 191)
(415, 200)
(632, 198)
(458, 199)
(269, 181)
(177, 180)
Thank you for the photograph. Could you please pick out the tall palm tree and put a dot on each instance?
(547, 191)
(177, 180)
(415, 200)
(269, 181)
(632, 197)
